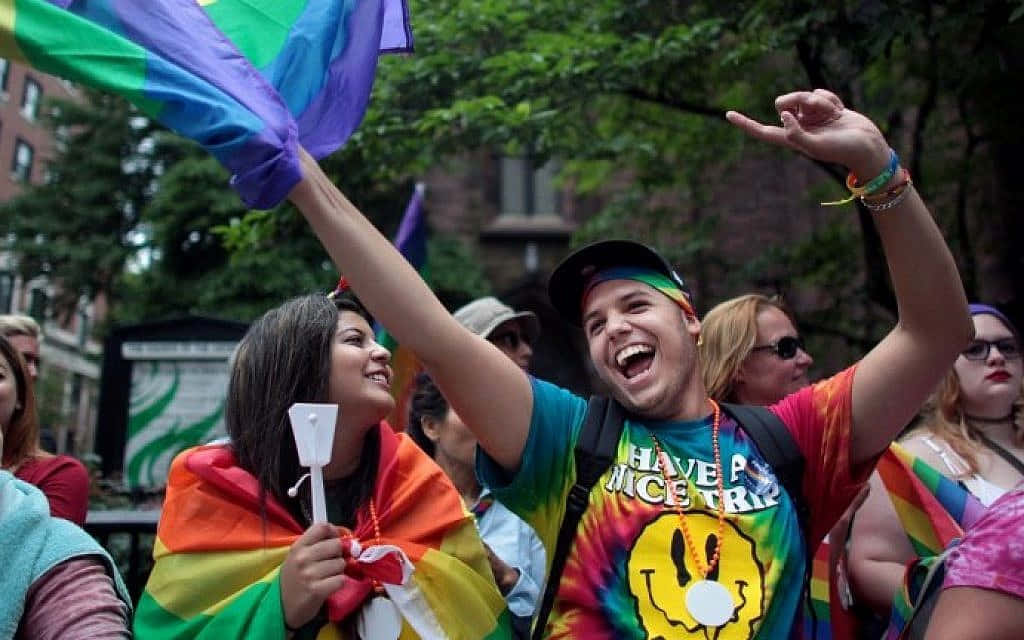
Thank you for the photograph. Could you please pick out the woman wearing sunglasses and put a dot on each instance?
(972, 432)
(750, 351)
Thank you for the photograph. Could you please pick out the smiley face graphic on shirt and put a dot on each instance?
(661, 571)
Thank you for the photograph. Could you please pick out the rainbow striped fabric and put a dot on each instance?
(933, 511)
(932, 508)
(247, 79)
(219, 552)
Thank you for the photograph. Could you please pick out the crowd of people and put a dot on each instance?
(451, 528)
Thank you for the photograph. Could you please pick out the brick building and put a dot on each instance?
(69, 377)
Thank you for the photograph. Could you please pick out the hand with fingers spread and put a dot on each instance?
(817, 124)
(311, 572)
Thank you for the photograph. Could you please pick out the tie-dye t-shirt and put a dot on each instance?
(629, 571)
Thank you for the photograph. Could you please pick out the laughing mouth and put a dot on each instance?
(634, 359)
(379, 378)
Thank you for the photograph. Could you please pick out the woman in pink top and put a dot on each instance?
(63, 480)
(985, 578)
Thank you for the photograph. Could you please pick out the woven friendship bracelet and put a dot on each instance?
(859, 191)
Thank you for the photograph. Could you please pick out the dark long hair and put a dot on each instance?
(21, 436)
(427, 402)
(284, 358)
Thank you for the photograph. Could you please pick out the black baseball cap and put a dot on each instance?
(565, 287)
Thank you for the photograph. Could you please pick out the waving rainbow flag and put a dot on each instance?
(246, 79)
(219, 552)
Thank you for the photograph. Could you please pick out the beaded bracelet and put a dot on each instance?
(859, 191)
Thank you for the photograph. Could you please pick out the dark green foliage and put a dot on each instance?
(629, 96)
(79, 228)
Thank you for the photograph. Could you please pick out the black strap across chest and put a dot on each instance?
(1000, 451)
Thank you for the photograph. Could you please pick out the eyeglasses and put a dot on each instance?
(979, 349)
(510, 339)
(785, 347)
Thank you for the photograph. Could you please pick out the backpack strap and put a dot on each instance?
(782, 454)
(594, 453)
(923, 582)
(780, 451)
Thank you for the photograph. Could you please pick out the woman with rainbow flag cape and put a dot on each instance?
(237, 557)
(926, 493)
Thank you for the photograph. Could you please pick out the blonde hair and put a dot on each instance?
(19, 325)
(728, 334)
(945, 417)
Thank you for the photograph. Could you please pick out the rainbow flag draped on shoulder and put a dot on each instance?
(933, 511)
(218, 554)
(249, 80)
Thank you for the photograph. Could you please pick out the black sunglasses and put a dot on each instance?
(785, 347)
(979, 349)
(510, 339)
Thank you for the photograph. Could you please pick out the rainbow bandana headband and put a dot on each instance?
(650, 277)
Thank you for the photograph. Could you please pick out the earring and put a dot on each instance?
(700, 340)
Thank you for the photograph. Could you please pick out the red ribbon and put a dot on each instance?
(362, 576)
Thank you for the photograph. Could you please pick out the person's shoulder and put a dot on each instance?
(42, 467)
(834, 390)
(922, 443)
(69, 465)
(547, 393)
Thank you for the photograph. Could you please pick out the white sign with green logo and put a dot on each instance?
(177, 401)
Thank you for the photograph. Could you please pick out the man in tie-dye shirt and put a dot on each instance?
(685, 543)
(632, 566)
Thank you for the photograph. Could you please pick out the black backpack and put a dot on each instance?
(595, 452)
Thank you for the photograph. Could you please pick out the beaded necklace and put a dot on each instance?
(707, 601)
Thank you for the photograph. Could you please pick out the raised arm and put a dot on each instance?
(490, 393)
(895, 377)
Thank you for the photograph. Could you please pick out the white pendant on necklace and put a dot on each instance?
(709, 603)
(379, 619)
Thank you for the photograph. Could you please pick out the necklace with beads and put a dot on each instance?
(708, 602)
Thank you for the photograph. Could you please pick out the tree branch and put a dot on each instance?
(675, 103)
(927, 104)
(968, 263)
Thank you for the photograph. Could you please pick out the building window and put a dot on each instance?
(5, 71)
(6, 291)
(30, 99)
(527, 190)
(21, 166)
(38, 302)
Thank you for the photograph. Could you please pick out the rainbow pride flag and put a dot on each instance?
(249, 80)
(411, 242)
(219, 551)
(933, 510)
